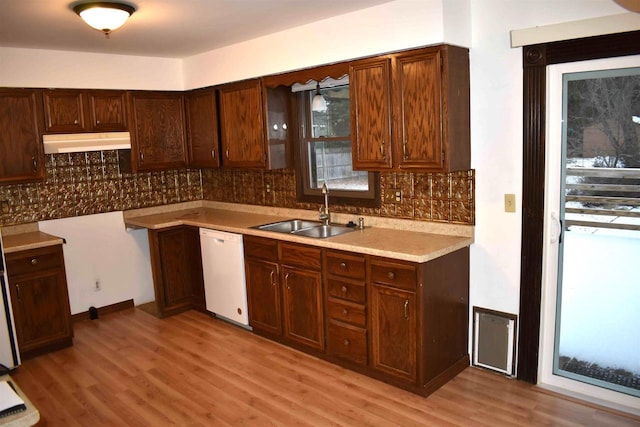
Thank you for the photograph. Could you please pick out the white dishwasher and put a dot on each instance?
(224, 281)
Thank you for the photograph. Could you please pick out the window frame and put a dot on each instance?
(304, 192)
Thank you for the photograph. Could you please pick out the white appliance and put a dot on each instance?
(9, 355)
(224, 279)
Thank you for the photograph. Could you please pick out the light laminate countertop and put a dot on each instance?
(403, 244)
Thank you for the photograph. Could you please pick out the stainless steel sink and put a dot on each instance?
(323, 231)
(289, 226)
(307, 228)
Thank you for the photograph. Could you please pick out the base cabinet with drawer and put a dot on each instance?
(40, 300)
(401, 322)
(284, 292)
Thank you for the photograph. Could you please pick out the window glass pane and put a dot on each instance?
(335, 121)
(330, 162)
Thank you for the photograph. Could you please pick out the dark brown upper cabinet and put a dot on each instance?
(72, 110)
(370, 93)
(255, 125)
(242, 125)
(22, 151)
(202, 128)
(157, 130)
(410, 111)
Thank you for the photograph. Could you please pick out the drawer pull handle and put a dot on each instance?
(346, 343)
(345, 312)
(286, 281)
(343, 289)
(406, 309)
(391, 275)
(343, 265)
(34, 261)
(273, 282)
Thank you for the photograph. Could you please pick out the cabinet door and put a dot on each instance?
(202, 127)
(22, 156)
(393, 331)
(418, 104)
(64, 111)
(107, 110)
(242, 125)
(171, 271)
(158, 130)
(193, 259)
(263, 295)
(369, 90)
(302, 302)
(41, 310)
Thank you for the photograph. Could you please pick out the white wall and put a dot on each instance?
(391, 26)
(59, 69)
(99, 248)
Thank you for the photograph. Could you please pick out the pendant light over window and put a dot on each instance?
(104, 16)
(318, 103)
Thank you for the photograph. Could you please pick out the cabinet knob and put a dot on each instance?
(404, 149)
(343, 289)
(141, 157)
(384, 157)
(286, 281)
(406, 309)
(213, 154)
(75, 122)
(391, 275)
(34, 261)
(34, 161)
(227, 153)
(346, 343)
(97, 122)
(273, 282)
(345, 312)
(18, 292)
(343, 265)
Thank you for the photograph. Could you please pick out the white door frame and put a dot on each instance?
(551, 233)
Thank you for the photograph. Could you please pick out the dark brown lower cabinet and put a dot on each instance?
(40, 300)
(284, 290)
(393, 331)
(263, 293)
(176, 263)
(401, 322)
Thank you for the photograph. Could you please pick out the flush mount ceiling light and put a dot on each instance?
(104, 16)
(318, 103)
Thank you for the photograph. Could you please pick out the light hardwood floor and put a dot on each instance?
(130, 368)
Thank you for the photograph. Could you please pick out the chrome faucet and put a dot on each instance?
(325, 214)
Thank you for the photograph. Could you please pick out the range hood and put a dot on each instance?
(75, 142)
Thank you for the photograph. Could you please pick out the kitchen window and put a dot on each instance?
(324, 151)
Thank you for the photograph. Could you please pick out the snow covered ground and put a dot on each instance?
(601, 297)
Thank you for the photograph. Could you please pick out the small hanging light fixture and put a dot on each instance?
(104, 16)
(318, 103)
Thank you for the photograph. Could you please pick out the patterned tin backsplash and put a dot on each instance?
(425, 197)
(93, 182)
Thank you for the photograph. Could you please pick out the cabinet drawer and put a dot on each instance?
(347, 289)
(258, 247)
(33, 261)
(341, 264)
(347, 312)
(394, 274)
(347, 342)
(301, 256)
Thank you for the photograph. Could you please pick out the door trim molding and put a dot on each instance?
(535, 59)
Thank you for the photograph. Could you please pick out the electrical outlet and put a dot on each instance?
(509, 202)
(4, 206)
(98, 286)
(393, 195)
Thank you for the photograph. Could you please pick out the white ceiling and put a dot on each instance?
(164, 28)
